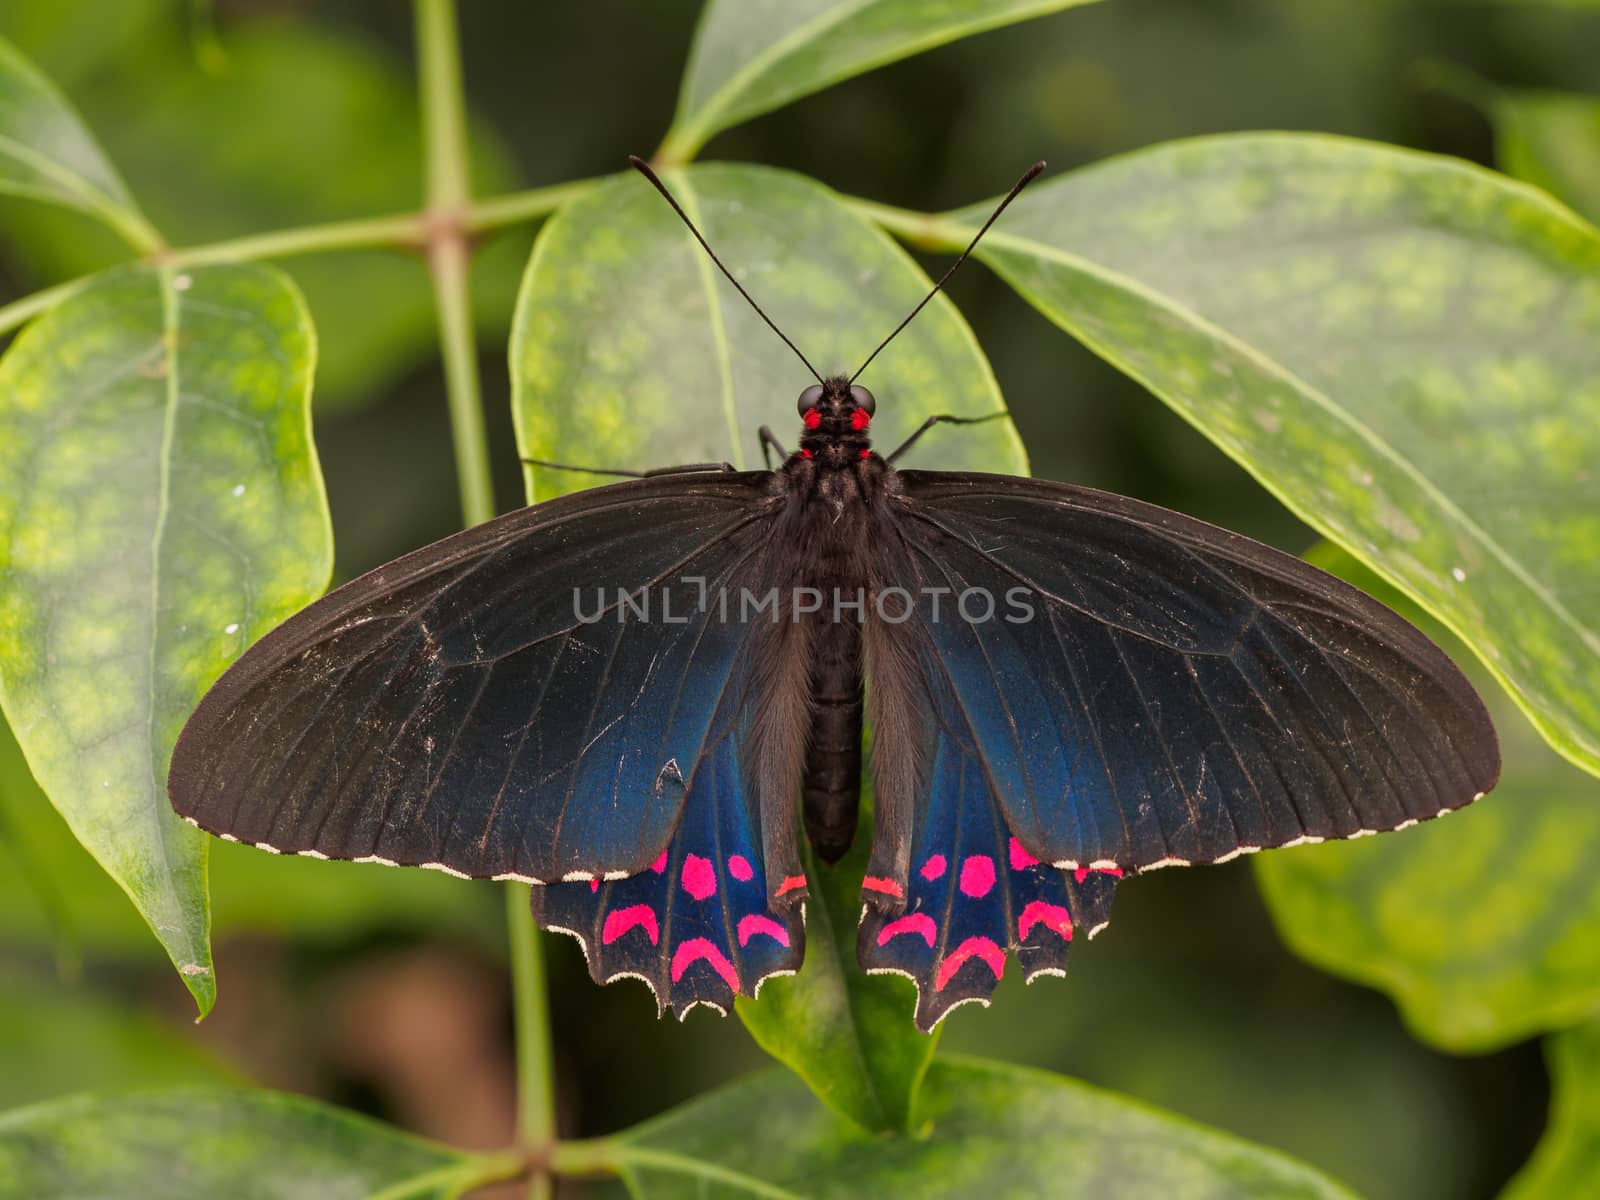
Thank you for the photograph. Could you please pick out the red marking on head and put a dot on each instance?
(754, 923)
(980, 947)
(887, 886)
(699, 877)
(804, 453)
(594, 886)
(933, 868)
(860, 419)
(739, 867)
(790, 883)
(693, 950)
(660, 864)
(1021, 860)
(812, 418)
(1083, 873)
(620, 920)
(1051, 916)
(918, 923)
(866, 454)
(977, 875)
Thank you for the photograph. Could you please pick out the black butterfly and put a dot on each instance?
(631, 695)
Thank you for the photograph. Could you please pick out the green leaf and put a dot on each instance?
(209, 1142)
(848, 1034)
(1485, 928)
(46, 153)
(304, 125)
(160, 508)
(1567, 1160)
(630, 350)
(1403, 348)
(1552, 140)
(752, 56)
(73, 38)
(988, 1130)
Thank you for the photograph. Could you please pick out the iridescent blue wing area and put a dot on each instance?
(975, 896)
(696, 926)
(488, 705)
(1127, 688)
(1176, 693)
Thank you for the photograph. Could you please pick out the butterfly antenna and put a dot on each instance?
(1028, 177)
(639, 165)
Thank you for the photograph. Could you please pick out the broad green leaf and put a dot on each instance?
(848, 1034)
(55, 1040)
(202, 1143)
(984, 1130)
(630, 350)
(46, 153)
(1485, 928)
(1552, 140)
(303, 125)
(72, 38)
(1567, 1161)
(751, 56)
(252, 892)
(1403, 348)
(160, 508)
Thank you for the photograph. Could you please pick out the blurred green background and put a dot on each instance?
(386, 990)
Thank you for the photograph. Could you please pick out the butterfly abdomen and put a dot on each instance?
(833, 754)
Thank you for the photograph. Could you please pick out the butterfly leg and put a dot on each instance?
(684, 469)
(769, 443)
(941, 419)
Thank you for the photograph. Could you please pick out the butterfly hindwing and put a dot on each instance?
(1154, 690)
(489, 705)
(696, 925)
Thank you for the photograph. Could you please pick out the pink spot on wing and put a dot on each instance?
(977, 875)
(1021, 860)
(1083, 873)
(594, 886)
(660, 864)
(1051, 916)
(790, 883)
(691, 951)
(933, 868)
(974, 947)
(919, 923)
(874, 883)
(755, 923)
(699, 877)
(620, 920)
(739, 867)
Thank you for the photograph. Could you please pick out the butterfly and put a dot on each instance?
(642, 696)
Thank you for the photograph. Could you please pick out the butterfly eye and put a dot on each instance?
(810, 398)
(863, 399)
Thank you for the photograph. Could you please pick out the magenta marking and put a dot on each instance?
(920, 923)
(699, 877)
(1021, 860)
(790, 883)
(691, 951)
(977, 875)
(754, 923)
(888, 887)
(620, 920)
(1051, 916)
(594, 886)
(660, 864)
(1083, 873)
(933, 868)
(980, 947)
(739, 867)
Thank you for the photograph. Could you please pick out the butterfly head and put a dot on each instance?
(837, 415)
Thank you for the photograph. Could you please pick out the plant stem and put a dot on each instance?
(448, 194)
(925, 231)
